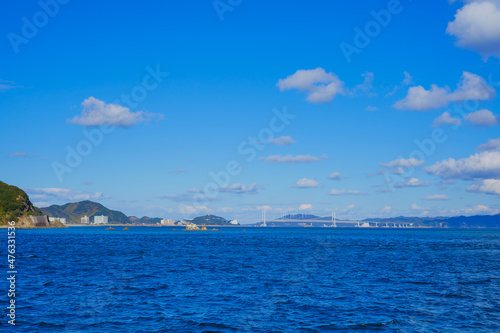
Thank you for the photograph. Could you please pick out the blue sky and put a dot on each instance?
(368, 109)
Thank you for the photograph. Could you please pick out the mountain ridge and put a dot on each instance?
(76, 210)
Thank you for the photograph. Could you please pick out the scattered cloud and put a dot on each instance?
(470, 87)
(405, 163)
(290, 159)
(265, 208)
(386, 210)
(7, 85)
(305, 207)
(477, 27)
(492, 144)
(477, 209)
(62, 194)
(446, 119)
(96, 113)
(370, 108)
(365, 88)
(19, 154)
(432, 197)
(306, 183)
(239, 188)
(406, 82)
(482, 118)
(178, 171)
(345, 192)
(412, 182)
(187, 209)
(320, 86)
(483, 165)
(350, 209)
(335, 175)
(225, 209)
(282, 141)
(488, 186)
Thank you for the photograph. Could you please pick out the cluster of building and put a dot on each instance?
(97, 220)
(167, 222)
(61, 219)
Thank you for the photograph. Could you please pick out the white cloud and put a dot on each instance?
(470, 87)
(305, 207)
(482, 118)
(62, 194)
(446, 118)
(41, 204)
(435, 197)
(7, 85)
(412, 182)
(350, 209)
(489, 186)
(282, 141)
(306, 183)
(290, 159)
(96, 113)
(240, 189)
(370, 108)
(345, 192)
(483, 165)
(477, 209)
(477, 27)
(386, 210)
(266, 208)
(406, 82)
(366, 87)
(187, 209)
(319, 85)
(492, 144)
(417, 207)
(335, 175)
(19, 154)
(405, 163)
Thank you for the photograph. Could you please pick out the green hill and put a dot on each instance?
(14, 203)
(74, 211)
(145, 220)
(210, 220)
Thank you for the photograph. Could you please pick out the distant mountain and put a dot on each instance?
(74, 211)
(145, 219)
(210, 220)
(484, 221)
(14, 203)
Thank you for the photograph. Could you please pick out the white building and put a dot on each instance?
(61, 219)
(85, 220)
(235, 222)
(167, 222)
(100, 219)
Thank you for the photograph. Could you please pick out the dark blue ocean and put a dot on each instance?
(258, 280)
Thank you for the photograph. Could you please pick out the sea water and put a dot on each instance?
(259, 280)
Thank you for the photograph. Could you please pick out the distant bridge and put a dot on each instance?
(264, 223)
